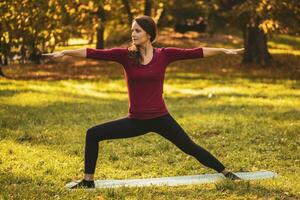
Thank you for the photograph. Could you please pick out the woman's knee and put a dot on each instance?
(192, 148)
(91, 135)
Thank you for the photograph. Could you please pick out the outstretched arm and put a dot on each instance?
(207, 51)
(76, 53)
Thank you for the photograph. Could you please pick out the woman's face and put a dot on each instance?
(138, 35)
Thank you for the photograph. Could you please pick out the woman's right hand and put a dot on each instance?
(53, 55)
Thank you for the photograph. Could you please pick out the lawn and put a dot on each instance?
(247, 117)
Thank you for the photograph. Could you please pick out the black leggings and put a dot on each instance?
(165, 125)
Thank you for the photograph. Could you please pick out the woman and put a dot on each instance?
(144, 68)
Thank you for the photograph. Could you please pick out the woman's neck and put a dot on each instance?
(146, 49)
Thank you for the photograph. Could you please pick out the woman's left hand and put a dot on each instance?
(234, 51)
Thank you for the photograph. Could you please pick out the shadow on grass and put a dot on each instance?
(21, 187)
(221, 95)
(291, 41)
(283, 67)
(259, 191)
(228, 79)
(12, 92)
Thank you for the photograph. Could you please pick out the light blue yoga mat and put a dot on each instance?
(178, 180)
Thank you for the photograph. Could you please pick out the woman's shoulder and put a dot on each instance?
(168, 48)
(162, 49)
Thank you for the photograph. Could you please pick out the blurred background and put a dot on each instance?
(28, 28)
(245, 109)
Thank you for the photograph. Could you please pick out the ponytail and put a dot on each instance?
(135, 54)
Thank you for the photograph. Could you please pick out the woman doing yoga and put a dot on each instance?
(144, 67)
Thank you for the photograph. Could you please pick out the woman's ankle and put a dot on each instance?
(89, 177)
(225, 171)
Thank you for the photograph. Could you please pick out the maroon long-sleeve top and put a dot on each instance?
(145, 82)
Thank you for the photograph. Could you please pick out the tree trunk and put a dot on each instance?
(256, 49)
(101, 27)
(100, 38)
(90, 38)
(1, 63)
(128, 10)
(35, 55)
(5, 48)
(23, 52)
(148, 7)
(161, 17)
(5, 62)
(1, 72)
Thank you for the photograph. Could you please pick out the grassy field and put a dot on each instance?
(248, 117)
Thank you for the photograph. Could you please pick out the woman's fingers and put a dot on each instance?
(52, 55)
(241, 50)
(47, 54)
(234, 51)
(230, 51)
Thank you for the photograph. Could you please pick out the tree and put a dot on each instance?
(94, 17)
(35, 26)
(148, 7)
(257, 19)
(128, 11)
(101, 26)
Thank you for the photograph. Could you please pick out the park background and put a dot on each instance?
(244, 108)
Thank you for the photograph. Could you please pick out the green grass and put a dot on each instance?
(250, 120)
(249, 125)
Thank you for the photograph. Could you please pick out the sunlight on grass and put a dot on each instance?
(284, 51)
(249, 123)
(74, 41)
(46, 121)
(284, 44)
(293, 42)
(41, 93)
(33, 161)
(255, 123)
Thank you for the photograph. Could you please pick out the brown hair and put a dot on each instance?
(149, 26)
